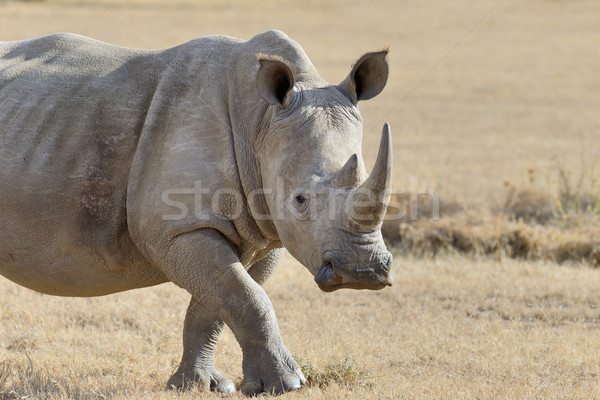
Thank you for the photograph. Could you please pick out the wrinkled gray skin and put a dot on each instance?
(100, 146)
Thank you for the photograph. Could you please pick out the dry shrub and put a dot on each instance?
(342, 373)
(534, 205)
(413, 207)
(534, 223)
(571, 200)
(578, 191)
(500, 237)
(530, 204)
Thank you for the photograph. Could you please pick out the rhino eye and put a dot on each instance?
(301, 205)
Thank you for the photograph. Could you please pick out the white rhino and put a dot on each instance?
(123, 168)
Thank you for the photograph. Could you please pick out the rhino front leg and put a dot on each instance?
(201, 331)
(253, 382)
(204, 263)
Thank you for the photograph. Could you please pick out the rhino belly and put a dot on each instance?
(49, 243)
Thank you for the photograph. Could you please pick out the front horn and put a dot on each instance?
(373, 196)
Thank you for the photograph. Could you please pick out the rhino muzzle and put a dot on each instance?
(334, 275)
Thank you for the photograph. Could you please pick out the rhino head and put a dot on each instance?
(326, 210)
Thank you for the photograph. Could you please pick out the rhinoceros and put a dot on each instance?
(124, 168)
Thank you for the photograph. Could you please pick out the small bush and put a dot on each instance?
(530, 204)
(342, 373)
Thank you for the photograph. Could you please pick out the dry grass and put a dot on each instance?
(520, 93)
(532, 224)
(498, 237)
(452, 327)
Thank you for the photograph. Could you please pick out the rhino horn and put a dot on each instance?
(377, 188)
(349, 176)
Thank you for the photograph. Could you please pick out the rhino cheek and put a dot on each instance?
(299, 244)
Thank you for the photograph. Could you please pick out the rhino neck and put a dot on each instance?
(252, 184)
(247, 114)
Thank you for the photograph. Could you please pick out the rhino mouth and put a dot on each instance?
(329, 280)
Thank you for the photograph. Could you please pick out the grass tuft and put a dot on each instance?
(342, 373)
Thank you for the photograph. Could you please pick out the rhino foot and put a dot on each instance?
(271, 372)
(206, 379)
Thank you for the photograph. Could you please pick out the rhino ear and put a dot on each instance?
(368, 76)
(274, 80)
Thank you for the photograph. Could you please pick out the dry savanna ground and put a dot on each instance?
(448, 328)
(494, 107)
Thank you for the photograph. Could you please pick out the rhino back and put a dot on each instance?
(71, 110)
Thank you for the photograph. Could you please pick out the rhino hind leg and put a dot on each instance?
(261, 270)
(201, 331)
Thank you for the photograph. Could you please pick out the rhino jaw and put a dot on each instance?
(329, 280)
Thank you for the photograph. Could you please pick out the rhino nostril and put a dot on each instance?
(325, 274)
